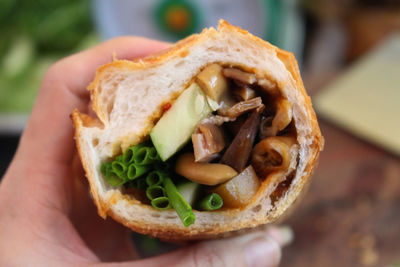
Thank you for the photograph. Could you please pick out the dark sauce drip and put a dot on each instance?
(282, 188)
(290, 130)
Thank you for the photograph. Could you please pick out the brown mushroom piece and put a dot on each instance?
(268, 86)
(238, 75)
(244, 92)
(265, 124)
(283, 117)
(203, 173)
(213, 83)
(272, 154)
(217, 120)
(233, 127)
(238, 153)
(208, 140)
(242, 107)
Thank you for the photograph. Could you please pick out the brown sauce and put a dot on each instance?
(282, 188)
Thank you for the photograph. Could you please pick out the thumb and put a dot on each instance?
(262, 248)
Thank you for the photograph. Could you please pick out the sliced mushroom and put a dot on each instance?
(203, 173)
(241, 76)
(227, 101)
(216, 119)
(283, 116)
(238, 153)
(265, 124)
(233, 127)
(272, 154)
(208, 140)
(212, 82)
(244, 92)
(268, 86)
(242, 107)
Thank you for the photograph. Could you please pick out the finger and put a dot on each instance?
(253, 249)
(109, 240)
(283, 234)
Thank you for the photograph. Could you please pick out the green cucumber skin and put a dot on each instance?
(176, 126)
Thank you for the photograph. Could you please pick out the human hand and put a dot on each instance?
(46, 214)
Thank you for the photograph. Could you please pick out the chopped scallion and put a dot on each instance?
(119, 168)
(145, 155)
(211, 202)
(111, 177)
(182, 208)
(135, 171)
(155, 191)
(155, 178)
(161, 203)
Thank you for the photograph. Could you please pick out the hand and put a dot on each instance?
(46, 214)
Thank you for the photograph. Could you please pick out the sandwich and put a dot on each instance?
(214, 135)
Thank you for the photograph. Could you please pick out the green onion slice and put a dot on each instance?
(111, 177)
(119, 158)
(211, 202)
(155, 178)
(135, 171)
(145, 155)
(155, 191)
(182, 208)
(161, 203)
(104, 167)
(114, 180)
(128, 156)
(119, 168)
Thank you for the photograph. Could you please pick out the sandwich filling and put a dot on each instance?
(213, 147)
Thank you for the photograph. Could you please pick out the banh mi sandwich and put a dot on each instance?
(213, 135)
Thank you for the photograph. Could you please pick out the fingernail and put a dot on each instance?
(283, 234)
(262, 251)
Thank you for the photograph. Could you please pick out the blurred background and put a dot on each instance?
(349, 56)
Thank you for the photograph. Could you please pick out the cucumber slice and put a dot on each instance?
(176, 126)
(189, 191)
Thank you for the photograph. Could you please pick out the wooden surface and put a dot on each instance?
(351, 214)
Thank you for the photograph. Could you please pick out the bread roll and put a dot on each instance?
(128, 97)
